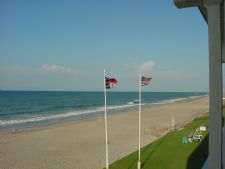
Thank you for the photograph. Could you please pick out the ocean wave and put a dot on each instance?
(177, 100)
(61, 116)
(33, 119)
(72, 106)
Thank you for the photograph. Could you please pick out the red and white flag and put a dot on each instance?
(110, 82)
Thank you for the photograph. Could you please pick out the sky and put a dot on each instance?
(64, 45)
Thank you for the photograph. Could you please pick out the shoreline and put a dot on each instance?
(100, 115)
(80, 144)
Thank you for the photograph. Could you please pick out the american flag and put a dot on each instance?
(110, 82)
(145, 80)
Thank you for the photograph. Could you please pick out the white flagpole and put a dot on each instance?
(106, 128)
(139, 145)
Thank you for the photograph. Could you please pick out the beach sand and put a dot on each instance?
(81, 144)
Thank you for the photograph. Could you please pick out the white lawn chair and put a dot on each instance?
(197, 136)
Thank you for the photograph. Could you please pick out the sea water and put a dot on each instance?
(25, 109)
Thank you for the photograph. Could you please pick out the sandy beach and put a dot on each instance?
(81, 144)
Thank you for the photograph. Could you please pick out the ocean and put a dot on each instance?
(27, 109)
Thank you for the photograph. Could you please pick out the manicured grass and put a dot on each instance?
(168, 152)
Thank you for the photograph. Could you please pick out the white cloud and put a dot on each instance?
(175, 75)
(147, 67)
(57, 68)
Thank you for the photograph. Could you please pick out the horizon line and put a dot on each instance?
(20, 90)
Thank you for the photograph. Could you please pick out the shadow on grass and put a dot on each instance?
(198, 157)
(149, 156)
(156, 147)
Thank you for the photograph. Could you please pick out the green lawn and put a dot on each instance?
(168, 152)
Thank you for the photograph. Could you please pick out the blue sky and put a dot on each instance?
(65, 45)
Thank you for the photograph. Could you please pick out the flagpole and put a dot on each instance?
(139, 145)
(106, 128)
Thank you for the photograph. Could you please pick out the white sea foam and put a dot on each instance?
(60, 116)
(82, 112)
(178, 99)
